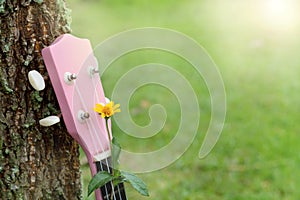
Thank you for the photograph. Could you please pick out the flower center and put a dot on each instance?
(107, 111)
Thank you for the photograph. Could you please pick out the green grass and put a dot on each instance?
(257, 156)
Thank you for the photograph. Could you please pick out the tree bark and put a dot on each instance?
(35, 162)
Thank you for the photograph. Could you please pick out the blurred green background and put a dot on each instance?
(256, 45)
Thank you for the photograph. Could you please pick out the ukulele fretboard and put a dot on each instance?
(119, 191)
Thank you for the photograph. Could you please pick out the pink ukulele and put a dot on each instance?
(73, 71)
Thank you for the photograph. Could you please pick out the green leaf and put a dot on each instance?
(118, 180)
(117, 173)
(100, 179)
(136, 183)
(116, 150)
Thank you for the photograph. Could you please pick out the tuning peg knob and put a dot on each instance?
(49, 121)
(36, 80)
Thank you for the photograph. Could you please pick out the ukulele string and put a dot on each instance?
(92, 135)
(106, 160)
(97, 97)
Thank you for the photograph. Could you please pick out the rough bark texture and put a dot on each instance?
(35, 162)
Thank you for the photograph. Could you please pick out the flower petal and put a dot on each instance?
(107, 100)
(118, 110)
(107, 110)
(98, 108)
(116, 106)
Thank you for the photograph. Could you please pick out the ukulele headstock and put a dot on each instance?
(72, 69)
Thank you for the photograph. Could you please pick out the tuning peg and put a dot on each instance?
(82, 116)
(69, 78)
(49, 121)
(93, 70)
(36, 80)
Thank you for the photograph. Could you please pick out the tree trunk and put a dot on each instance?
(35, 162)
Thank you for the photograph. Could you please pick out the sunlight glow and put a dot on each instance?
(281, 14)
(277, 7)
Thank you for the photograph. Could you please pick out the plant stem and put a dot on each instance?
(109, 136)
(110, 146)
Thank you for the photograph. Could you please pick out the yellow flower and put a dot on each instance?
(107, 110)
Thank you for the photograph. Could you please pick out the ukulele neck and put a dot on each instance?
(106, 191)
